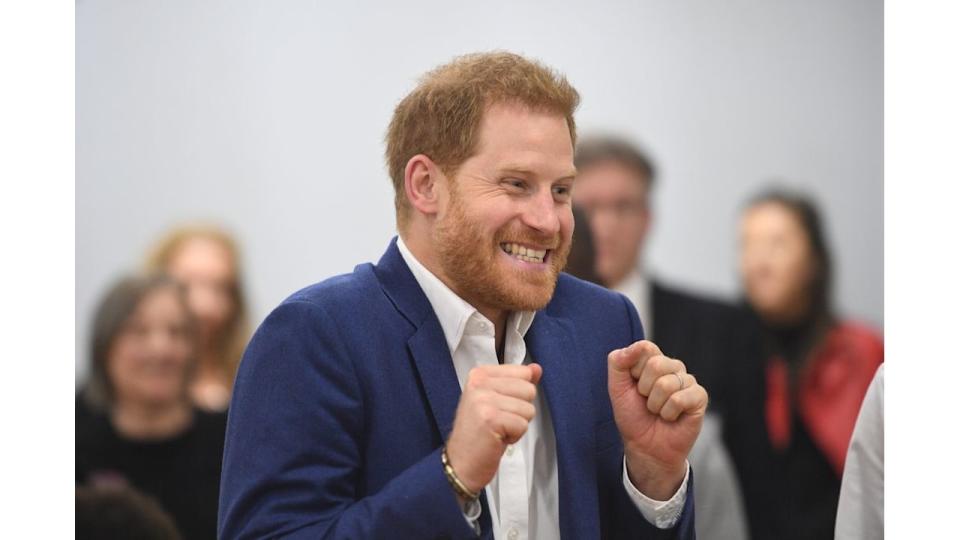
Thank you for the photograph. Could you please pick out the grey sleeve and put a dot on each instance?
(860, 512)
(717, 498)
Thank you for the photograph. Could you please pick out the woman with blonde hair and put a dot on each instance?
(206, 260)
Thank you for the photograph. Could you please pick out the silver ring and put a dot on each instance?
(679, 378)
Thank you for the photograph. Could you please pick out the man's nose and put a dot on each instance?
(543, 214)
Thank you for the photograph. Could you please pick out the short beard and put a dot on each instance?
(469, 259)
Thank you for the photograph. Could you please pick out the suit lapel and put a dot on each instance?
(568, 397)
(439, 378)
(427, 346)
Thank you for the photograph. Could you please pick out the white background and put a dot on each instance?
(37, 233)
(269, 117)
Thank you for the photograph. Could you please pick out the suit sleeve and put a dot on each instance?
(294, 446)
(626, 521)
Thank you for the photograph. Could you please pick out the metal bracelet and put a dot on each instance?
(454, 479)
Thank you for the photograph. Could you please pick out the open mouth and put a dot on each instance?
(524, 253)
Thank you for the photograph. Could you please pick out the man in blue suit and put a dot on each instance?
(463, 387)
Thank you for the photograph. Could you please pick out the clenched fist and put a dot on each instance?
(659, 410)
(494, 412)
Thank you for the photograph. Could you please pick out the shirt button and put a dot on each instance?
(512, 535)
(510, 453)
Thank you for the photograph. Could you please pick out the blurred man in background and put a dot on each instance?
(614, 180)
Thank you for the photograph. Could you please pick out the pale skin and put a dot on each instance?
(147, 366)
(520, 177)
(615, 199)
(206, 267)
(776, 263)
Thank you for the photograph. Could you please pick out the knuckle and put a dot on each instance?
(656, 363)
(530, 411)
(475, 377)
(662, 384)
(676, 400)
(486, 414)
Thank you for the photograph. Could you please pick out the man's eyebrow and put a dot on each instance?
(525, 171)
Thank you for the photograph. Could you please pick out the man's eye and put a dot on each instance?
(515, 183)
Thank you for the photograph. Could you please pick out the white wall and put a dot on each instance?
(269, 117)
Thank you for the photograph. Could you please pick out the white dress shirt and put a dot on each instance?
(523, 496)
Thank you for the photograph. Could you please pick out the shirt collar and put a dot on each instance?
(635, 282)
(452, 311)
(637, 287)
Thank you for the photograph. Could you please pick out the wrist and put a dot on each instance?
(657, 481)
(464, 493)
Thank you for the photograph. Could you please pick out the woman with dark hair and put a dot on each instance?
(796, 404)
(142, 429)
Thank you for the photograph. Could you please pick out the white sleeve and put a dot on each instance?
(662, 514)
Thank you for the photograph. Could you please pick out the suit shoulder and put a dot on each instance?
(342, 291)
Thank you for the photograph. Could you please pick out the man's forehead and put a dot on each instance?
(613, 175)
(521, 139)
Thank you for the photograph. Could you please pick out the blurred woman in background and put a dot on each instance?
(146, 432)
(797, 401)
(207, 261)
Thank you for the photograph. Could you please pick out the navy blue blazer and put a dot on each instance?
(347, 392)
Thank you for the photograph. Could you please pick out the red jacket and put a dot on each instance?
(829, 393)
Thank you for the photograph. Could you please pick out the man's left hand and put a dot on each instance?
(659, 410)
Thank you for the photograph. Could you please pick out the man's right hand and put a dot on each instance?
(494, 411)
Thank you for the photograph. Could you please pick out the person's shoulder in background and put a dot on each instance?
(712, 336)
(858, 339)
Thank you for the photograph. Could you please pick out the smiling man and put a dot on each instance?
(463, 386)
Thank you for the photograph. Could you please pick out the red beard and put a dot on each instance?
(474, 263)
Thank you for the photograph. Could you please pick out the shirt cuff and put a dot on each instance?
(471, 512)
(662, 514)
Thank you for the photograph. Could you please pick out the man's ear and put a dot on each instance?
(421, 182)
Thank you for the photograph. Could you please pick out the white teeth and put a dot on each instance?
(524, 253)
